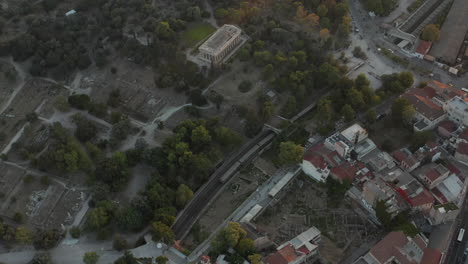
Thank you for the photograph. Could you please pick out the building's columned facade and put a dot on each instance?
(220, 44)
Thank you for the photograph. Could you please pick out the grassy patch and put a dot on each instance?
(196, 33)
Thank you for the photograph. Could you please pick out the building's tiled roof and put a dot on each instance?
(316, 160)
(283, 256)
(420, 242)
(391, 246)
(424, 105)
(439, 195)
(423, 47)
(431, 256)
(422, 198)
(399, 155)
(464, 134)
(462, 148)
(448, 125)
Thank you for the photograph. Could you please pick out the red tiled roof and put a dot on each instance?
(348, 171)
(448, 125)
(439, 84)
(388, 246)
(439, 196)
(432, 174)
(432, 144)
(423, 198)
(420, 242)
(304, 250)
(283, 256)
(424, 105)
(464, 134)
(462, 148)
(399, 155)
(316, 160)
(431, 256)
(423, 47)
(452, 168)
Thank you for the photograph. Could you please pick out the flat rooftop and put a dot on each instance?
(222, 36)
(453, 33)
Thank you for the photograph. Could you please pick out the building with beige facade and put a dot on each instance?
(221, 44)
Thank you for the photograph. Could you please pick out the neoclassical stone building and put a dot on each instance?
(221, 44)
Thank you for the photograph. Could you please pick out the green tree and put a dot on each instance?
(267, 110)
(162, 260)
(164, 31)
(200, 136)
(348, 112)
(406, 79)
(98, 218)
(119, 243)
(162, 232)
(23, 235)
(290, 153)
(75, 232)
(255, 259)
(402, 111)
(371, 115)
(245, 247)
(127, 258)
(90, 257)
(431, 33)
(290, 108)
(228, 237)
(183, 195)
(383, 215)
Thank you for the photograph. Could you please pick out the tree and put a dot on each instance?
(183, 195)
(228, 237)
(402, 111)
(200, 136)
(290, 108)
(245, 86)
(406, 79)
(130, 218)
(113, 171)
(90, 257)
(419, 139)
(290, 153)
(127, 258)
(23, 235)
(431, 33)
(322, 10)
(98, 218)
(79, 101)
(75, 232)
(255, 259)
(348, 112)
(162, 260)
(41, 258)
(383, 215)
(85, 129)
(47, 238)
(245, 247)
(162, 232)
(371, 115)
(119, 243)
(267, 109)
(324, 33)
(164, 31)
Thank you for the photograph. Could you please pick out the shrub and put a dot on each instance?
(75, 232)
(245, 86)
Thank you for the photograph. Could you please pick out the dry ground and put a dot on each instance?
(303, 205)
(43, 205)
(37, 94)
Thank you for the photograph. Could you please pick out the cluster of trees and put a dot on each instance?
(399, 222)
(64, 153)
(336, 191)
(235, 237)
(348, 98)
(380, 7)
(431, 33)
(40, 238)
(396, 83)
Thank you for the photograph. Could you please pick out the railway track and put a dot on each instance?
(208, 192)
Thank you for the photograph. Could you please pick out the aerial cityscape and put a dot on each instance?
(233, 131)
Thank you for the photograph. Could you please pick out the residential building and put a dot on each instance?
(315, 166)
(457, 110)
(416, 195)
(350, 171)
(380, 161)
(363, 148)
(340, 144)
(297, 250)
(429, 112)
(432, 174)
(423, 47)
(355, 134)
(461, 153)
(220, 45)
(446, 128)
(443, 213)
(406, 159)
(449, 190)
(396, 247)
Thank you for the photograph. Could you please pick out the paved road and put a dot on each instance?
(456, 249)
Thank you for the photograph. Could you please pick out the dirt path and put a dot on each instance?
(209, 8)
(22, 80)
